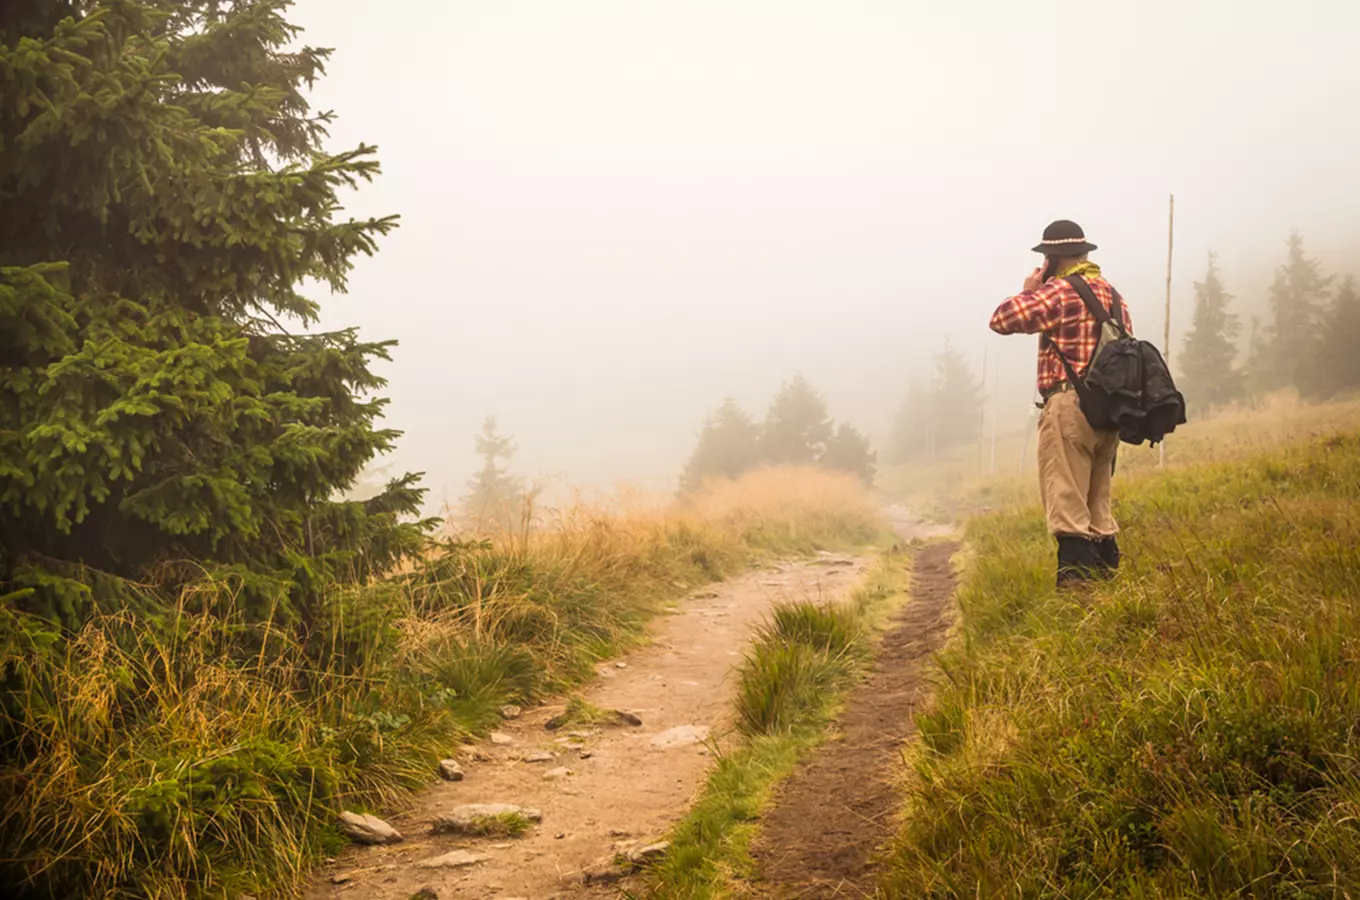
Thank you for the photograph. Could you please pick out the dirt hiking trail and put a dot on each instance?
(600, 790)
(835, 811)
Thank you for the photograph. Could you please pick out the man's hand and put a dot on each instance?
(1035, 280)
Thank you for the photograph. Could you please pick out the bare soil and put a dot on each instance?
(622, 783)
(819, 838)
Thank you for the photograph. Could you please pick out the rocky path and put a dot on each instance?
(591, 792)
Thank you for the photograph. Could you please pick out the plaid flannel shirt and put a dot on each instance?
(1056, 310)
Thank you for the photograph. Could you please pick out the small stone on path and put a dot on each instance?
(365, 829)
(680, 736)
(449, 770)
(500, 737)
(454, 859)
(511, 711)
(481, 818)
(559, 772)
(539, 756)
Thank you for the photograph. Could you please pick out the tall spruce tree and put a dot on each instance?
(163, 196)
(848, 451)
(1336, 366)
(494, 496)
(797, 427)
(1292, 334)
(1208, 358)
(728, 445)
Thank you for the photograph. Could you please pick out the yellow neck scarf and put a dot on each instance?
(1083, 267)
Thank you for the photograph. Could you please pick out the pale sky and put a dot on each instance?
(614, 212)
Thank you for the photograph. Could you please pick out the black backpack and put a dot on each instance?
(1127, 387)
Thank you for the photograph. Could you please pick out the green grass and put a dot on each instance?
(789, 685)
(1189, 730)
(510, 824)
(580, 711)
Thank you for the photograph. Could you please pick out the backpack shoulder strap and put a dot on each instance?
(1094, 306)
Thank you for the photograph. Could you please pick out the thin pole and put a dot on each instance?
(1166, 327)
(982, 409)
(996, 394)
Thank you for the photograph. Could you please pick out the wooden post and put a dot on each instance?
(996, 395)
(1166, 326)
(982, 409)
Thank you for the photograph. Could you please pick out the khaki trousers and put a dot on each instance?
(1076, 463)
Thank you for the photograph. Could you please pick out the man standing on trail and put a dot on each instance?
(1076, 462)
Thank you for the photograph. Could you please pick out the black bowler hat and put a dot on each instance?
(1064, 238)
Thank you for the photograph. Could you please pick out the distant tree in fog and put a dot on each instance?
(910, 438)
(848, 451)
(1291, 336)
(957, 400)
(494, 497)
(728, 445)
(797, 427)
(1335, 367)
(797, 431)
(1209, 374)
(942, 417)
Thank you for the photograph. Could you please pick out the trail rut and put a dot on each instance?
(818, 839)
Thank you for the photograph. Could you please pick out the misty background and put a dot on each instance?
(615, 212)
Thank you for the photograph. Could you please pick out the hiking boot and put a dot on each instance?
(1077, 561)
(1107, 556)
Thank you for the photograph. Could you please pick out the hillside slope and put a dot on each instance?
(1191, 729)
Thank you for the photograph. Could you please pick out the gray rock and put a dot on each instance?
(620, 665)
(511, 711)
(449, 770)
(454, 859)
(365, 829)
(650, 854)
(500, 737)
(627, 718)
(482, 818)
(540, 756)
(680, 736)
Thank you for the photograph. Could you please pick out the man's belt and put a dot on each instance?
(1056, 389)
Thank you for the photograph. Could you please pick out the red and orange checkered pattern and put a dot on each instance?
(1056, 310)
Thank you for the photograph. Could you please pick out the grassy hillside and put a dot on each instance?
(1191, 729)
(193, 753)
